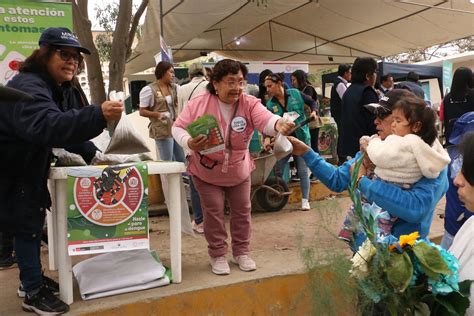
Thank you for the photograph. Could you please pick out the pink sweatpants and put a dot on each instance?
(212, 203)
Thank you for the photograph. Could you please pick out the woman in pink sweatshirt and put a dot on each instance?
(223, 172)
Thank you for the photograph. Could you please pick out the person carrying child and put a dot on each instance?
(403, 158)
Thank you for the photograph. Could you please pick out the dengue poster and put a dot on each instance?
(107, 208)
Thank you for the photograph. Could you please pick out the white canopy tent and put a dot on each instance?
(322, 32)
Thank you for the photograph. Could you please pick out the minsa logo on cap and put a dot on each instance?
(66, 35)
(384, 98)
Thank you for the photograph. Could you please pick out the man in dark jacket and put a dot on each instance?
(356, 120)
(412, 83)
(28, 131)
(338, 89)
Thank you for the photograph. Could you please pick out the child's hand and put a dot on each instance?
(364, 142)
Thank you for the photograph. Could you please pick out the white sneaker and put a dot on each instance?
(305, 205)
(219, 265)
(245, 263)
(198, 228)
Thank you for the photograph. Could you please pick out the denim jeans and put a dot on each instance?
(447, 240)
(302, 170)
(195, 202)
(170, 150)
(27, 249)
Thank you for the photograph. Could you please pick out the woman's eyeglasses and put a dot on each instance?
(238, 84)
(66, 56)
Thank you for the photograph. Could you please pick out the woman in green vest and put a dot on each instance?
(291, 100)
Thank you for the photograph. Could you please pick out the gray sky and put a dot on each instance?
(91, 10)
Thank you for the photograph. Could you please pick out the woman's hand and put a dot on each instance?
(112, 110)
(268, 143)
(284, 126)
(299, 148)
(198, 143)
(362, 171)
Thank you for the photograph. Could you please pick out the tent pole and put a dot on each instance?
(161, 18)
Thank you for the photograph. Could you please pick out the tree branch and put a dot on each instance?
(134, 26)
(82, 27)
(119, 46)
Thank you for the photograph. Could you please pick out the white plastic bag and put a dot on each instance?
(282, 147)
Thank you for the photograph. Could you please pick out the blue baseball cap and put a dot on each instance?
(61, 36)
(462, 125)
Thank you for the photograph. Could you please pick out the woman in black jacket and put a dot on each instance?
(459, 100)
(28, 131)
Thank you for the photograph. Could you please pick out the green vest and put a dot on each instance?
(294, 103)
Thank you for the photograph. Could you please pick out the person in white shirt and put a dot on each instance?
(386, 84)
(196, 86)
(462, 247)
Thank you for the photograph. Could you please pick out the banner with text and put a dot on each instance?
(21, 25)
(107, 208)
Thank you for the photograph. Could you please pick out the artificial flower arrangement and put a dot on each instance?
(405, 276)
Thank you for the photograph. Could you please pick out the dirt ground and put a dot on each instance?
(277, 239)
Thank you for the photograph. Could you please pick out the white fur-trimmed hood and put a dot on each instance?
(406, 159)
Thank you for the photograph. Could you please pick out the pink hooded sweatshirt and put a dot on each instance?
(250, 114)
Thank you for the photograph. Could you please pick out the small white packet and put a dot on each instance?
(118, 96)
(292, 116)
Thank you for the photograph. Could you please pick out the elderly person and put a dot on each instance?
(291, 100)
(28, 131)
(194, 87)
(159, 102)
(462, 246)
(225, 175)
(413, 208)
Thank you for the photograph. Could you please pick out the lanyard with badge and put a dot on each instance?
(228, 143)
